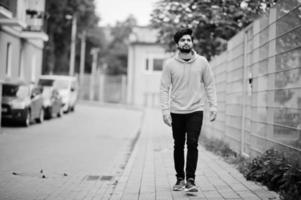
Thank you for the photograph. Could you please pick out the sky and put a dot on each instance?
(111, 11)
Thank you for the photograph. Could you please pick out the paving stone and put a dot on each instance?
(212, 194)
(248, 195)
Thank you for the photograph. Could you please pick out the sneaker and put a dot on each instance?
(180, 185)
(190, 186)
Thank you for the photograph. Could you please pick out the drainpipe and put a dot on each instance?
(1, 106)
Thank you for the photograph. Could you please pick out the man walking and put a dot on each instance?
(185, 79)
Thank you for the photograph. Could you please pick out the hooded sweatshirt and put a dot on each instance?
(184, 85)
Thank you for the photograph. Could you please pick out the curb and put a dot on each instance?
(115, 193)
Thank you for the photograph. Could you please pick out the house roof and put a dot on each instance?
(144, 35)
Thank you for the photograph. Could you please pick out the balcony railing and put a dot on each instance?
(34, 20)
(4, 3)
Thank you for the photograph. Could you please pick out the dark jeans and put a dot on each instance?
(186, 127)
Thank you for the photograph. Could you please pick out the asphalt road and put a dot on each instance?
(92, 143)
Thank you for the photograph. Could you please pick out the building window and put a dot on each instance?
(8, 59)
(157, 64)
(153, 64)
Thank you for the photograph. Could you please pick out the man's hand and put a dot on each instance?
(212, 115)
(167, 119)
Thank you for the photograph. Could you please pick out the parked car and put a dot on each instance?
(22, 103)
(52, 102)
(67, 87)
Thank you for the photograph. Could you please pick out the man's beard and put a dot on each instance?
(184, 50)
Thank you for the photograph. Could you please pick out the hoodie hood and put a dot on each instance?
(193, 58)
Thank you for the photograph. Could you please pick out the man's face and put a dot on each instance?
(185, 44)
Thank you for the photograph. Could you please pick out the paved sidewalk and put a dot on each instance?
(149, 174)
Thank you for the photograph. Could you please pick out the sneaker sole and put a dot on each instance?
(179, 189)
(192, 189)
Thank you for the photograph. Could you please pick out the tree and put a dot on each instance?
(213, 21)
(116, 57)
(56, 52)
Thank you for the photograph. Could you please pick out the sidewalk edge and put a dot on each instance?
(120, 182)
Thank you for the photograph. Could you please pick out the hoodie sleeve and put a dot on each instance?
(209, 84)
(164, 89)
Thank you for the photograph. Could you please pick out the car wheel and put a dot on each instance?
(67, 110)
(27, 119)
(41, 116)
(48, 113)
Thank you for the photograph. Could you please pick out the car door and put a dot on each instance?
(36, 102)
(55, 98)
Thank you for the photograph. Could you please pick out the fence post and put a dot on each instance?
(101, 87)
(94, 53)
(82, 57)
(242, 139)
(0, 107)
(123, 89)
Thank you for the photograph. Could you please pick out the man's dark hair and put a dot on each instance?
(181, 33)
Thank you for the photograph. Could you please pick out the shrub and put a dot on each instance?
(267, 169)
(278, 171)
(217, 146)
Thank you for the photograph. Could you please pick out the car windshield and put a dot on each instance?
(46, 82)
(19, 91)
(61, 84)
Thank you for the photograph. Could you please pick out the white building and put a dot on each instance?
(145, 61)
(21, 40)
